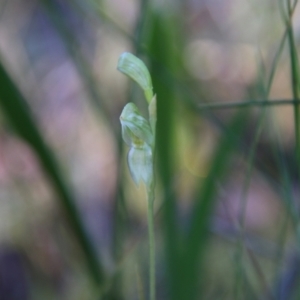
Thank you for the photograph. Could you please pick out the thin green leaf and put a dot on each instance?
(19, 116)
(161, 49)
(203, 208)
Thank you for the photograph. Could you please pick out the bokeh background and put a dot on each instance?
(72, 223)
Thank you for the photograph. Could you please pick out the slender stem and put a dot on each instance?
(246, 104)
(151, 196)
(150, 192)
(295, 79)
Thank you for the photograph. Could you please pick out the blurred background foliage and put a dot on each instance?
(72, 223)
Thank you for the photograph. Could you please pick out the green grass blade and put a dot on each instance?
(17, 113)
(247, 104)
(162, 53)
(295, 83)
(202, 210)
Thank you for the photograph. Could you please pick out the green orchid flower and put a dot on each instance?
(135, 128)
(138, 136)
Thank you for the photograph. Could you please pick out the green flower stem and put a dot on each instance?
(150, 194)
(151, 197)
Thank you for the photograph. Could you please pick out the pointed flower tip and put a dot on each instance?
(135, 68)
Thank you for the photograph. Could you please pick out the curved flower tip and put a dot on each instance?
(133, 67)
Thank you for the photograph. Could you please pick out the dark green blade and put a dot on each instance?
(205, 199)
(17, 113)
(162, 51)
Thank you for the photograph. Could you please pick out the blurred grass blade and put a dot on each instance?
(246, 104)
(202, 210)
(17, 113)
(162, 51)
(295, 85)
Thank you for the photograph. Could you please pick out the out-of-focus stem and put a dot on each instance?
(295, 80)
(150, 192)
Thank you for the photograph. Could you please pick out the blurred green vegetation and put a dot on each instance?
(226, 75)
